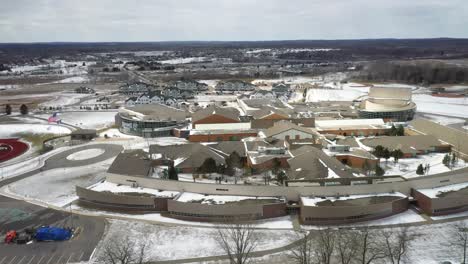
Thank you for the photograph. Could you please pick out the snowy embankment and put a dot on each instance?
(10, 130)
(166, 242)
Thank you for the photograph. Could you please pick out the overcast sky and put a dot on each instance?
(164, 20)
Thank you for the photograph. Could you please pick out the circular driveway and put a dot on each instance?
(60, 159)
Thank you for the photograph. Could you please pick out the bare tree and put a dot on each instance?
(459, 234)
(370, 246)
(304, 252)
(238, 240)
(123, 250)
(324, 245)
(397, 244)
(347, 246)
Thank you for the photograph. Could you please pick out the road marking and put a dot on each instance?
(68, 260)
(79, 259)
(40, 260)
(31, 259)
(21, 260)
(58, 261)
(3, 259)
(11, 261)
(50, 258)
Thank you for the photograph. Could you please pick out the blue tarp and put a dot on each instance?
(52, 234)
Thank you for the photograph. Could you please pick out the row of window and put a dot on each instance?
(245, 216)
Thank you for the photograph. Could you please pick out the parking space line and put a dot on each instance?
(40, 260)
(68, 260)
(58, 261)
(29, 262)
(50, 258)
(21, 260)
(11, 261)
(81, 256)
(3, 259)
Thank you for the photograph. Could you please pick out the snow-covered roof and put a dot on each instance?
(188, 197)
(436, 191)
(118, 188)
(313, 201)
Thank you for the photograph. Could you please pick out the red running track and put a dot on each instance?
(11, 148)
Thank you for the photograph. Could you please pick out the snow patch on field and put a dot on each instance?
(63, 99)
(457, 107)
(85, 154)
(167, 242)
(75, 79)
(10, 130)
(407, 167)
(443, 120)
(89, 120)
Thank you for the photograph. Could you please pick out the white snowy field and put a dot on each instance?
(407, 167)
(10, 130)
(179, 242)
(63, 100)
(74, 79)
(85, 154)
(85, 119)
(57, 186)
(457, 107)
(184, 60)
(444, 120)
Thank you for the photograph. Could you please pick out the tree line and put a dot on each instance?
(423, 73)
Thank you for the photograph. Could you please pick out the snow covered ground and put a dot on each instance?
(457, 107)
(407, 167)
(170, 243)
(75, 79)
(184, 60)
(85, 119)
(63, 100)
(10, 130)
(57, 186)
(443, 120)
(85, 154)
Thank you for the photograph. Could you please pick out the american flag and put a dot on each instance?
(53, 118)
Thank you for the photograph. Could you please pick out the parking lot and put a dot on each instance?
(18, 215)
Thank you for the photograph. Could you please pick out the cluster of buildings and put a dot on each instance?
(323, 151)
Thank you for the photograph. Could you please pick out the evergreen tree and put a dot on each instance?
(446, 160)
(24, 109)
(397, 154)
(386, 154)
(400, 131)
(8, 109)
(208, 166)
(393, 130)
(379, 171)
(378, 151)
(276, 166)
(281, 177)
(172, 174)
(453, 160)
(420, 170)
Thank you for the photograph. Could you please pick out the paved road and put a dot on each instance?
(59, 160)
(18, 215)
